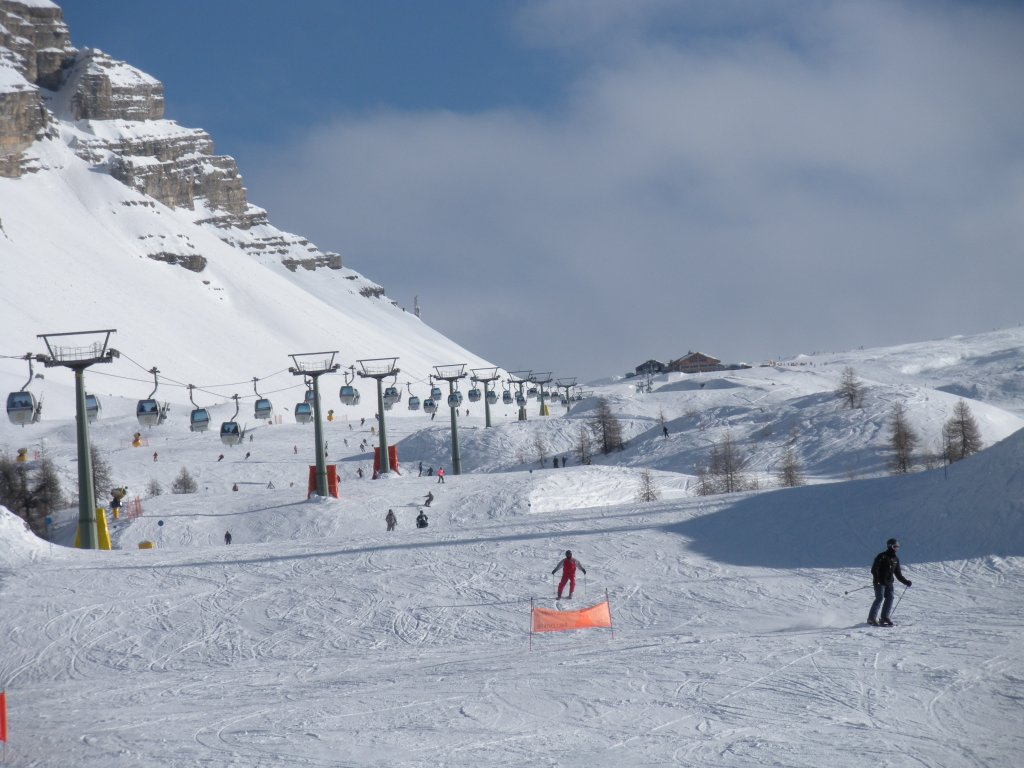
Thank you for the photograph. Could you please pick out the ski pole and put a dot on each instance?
(858, 589)
(897, 602)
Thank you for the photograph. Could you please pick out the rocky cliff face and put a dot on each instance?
(22, 119)
(38, 39)
(104, 89)
(112, 116)
(175, 165)
(34, 50)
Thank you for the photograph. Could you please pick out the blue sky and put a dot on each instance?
(581, 185)
(219, 60)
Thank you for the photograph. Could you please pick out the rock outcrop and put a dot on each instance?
(38, 40)
(112, 116)
(35, 49)
(22, 119)
(159, 158)
(105, 89)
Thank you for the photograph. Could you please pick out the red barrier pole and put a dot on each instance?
(3, 722)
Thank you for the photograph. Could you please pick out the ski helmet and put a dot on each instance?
(892, 543)
(568, 553)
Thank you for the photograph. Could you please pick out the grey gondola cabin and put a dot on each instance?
(22, 408)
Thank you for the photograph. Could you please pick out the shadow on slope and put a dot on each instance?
(688, 385)
(974, 509)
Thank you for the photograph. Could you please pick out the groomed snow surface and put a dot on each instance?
(318, 639)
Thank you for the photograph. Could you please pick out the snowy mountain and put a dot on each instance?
(318, 639)
(112, 216)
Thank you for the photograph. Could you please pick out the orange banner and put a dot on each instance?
(3, 717)
(548, 620)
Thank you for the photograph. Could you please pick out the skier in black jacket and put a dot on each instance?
(883, 569)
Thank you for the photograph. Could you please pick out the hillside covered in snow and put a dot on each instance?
(317, 638)
(112, 216)
(738, 634)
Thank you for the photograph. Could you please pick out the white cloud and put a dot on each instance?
(858, 158)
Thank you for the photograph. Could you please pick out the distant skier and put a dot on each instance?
(429, 498)
(221, 457)
(154, 455)
(568, 565)
(440, 474)
(227, 537)
(554, 462)
(247, 454)
(359, 473)
(664, 430)
(421, 520)
(391, 520)
(883, 569)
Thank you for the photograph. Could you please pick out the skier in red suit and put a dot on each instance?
(568, 566)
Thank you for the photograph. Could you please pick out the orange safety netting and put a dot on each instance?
(547, 620)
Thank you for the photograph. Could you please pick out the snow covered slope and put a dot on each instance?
(73, 262)
(113, 217)
(317, 639)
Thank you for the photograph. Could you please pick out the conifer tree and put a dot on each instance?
(902, 438)
(584, 447)
(851, 389)
(723, 471)
(648, 490)
(607, 428)
(13, 486)
(101, 473)
(791, 473)
(47, 496)
(961, 434)
(184, 483)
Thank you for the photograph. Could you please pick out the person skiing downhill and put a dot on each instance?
(885, 566)
(391, 520)
(568, 566)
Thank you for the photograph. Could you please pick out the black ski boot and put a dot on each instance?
(885, 623)
(873, 622)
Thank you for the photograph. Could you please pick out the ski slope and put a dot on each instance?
(318, 639)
